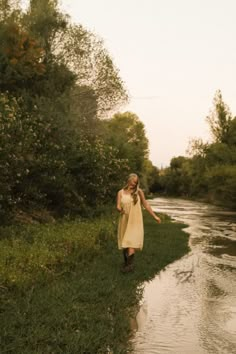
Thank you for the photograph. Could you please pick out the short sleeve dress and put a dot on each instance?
(130, 227)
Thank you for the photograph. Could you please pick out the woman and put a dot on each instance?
(130, 228)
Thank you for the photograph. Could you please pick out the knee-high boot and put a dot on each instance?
(129, 266)
(130, 262)
(125, 254)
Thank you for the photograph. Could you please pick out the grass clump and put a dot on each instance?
(62, 290)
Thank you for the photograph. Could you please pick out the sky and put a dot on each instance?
(172, 56)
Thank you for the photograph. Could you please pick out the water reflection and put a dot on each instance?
(190, 307)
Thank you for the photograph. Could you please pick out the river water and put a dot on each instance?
(190, 306)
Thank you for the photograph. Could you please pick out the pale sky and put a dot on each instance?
(172, 55)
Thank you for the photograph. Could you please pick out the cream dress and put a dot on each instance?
(130, 227)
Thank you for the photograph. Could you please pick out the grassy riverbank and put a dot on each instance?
(62, 290)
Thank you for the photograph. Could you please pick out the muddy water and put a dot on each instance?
(190, 306)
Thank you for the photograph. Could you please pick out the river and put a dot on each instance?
(190, 306)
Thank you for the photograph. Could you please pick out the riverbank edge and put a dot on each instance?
(62, 290)
(207, 200)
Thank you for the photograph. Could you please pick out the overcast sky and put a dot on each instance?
(172, 55)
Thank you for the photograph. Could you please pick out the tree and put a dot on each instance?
(84, 54)
(231, 141)
(21, 58)
(209, 172)
(84, 111)
(57, 79)
(9, 10)
(126, 133)
(44, 20)
(219, 119)
(197, 147)
(79, 50)
(222, 184)
(152, 177)
(220, 154)
(176, 178)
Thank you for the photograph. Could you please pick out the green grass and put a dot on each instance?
(62, 290)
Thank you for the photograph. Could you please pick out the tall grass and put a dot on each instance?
(62, 290)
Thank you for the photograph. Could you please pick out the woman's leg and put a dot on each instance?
(131, 251)
(129, 258)
(125, 254)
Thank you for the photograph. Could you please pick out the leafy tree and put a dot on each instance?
(222, 184)
(219, 119)
(85, 55)
(176, 179)
(220, 154)
(20, 57)
(151, 177)
(209, 172)
(231, 139)
(49, 112)
(197, 147)
(83, 111)
(9, 10)
(32, 163)
(126, 133)
(74, 47)
(98, 171)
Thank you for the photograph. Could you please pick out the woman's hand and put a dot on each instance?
(157, 219)
(121, 210)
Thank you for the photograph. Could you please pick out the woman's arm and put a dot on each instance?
(118, 202)
(147, 206)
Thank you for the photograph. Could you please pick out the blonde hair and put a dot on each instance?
(135, 192)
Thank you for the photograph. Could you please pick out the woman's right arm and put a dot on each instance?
(118, 202)
(148, 207)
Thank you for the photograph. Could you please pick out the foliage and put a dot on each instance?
(221, 154)
(151, 177)
(56, 81)
(81, 51)
(126, 132)
(85, 55)
(21, 57)
(219, 119)
(209, 172)
(197, 147)
(31, 161)
(10, 10)
(84, 111)
(94, 166)
(176, 179)
(231, 136)
(221, 180)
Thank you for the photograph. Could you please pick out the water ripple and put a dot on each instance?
(190, 307)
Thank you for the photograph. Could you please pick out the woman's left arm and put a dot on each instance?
(148, 207)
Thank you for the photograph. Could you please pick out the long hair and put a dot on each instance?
(134, 193)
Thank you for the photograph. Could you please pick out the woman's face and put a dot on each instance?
(133, 182)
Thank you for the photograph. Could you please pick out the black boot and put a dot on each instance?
(130, 262)
(125, 254)
(129, 266)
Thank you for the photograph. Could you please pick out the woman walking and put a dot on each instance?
(130, 228)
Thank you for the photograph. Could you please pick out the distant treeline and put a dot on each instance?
(210, 172)
(61, 149)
